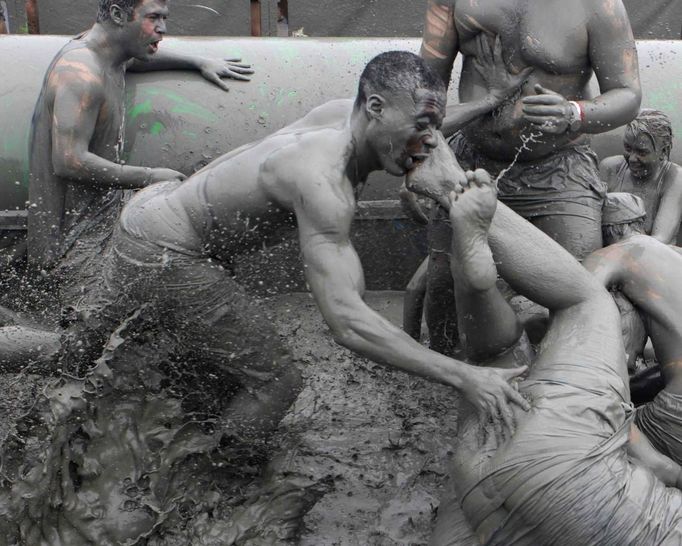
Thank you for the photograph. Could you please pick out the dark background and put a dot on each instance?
(651, 19)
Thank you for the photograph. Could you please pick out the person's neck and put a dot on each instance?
(103, 39)
(362, 160)
(655, 173)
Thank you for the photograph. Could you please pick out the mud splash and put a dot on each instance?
(131, 453)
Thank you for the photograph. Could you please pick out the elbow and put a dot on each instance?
(633, 102)
(68, 166)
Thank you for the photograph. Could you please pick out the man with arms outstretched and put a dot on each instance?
(77, 175)
(554, 181)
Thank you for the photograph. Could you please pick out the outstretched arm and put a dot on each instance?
(211, 69)
(667, 222)
(335, 276)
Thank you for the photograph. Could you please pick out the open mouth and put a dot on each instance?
(415, 160)
(154, 46)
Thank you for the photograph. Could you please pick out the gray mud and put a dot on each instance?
(367, 444)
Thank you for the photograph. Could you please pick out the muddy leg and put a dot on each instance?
(440, 307)
(22, 347)
(487, 323)
(413, 301)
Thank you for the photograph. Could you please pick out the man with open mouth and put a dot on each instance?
(77, 176)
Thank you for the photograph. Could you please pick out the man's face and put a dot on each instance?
(404, 134)
(146, 28)
(642, 155)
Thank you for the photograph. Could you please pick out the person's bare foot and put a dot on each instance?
(472, 208)
(437, 175)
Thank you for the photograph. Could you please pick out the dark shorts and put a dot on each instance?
(661, 421)
(197, 303)
(566, 183)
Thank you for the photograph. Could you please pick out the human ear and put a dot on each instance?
(375, 106)
(118, 16)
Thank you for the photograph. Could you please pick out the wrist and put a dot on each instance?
(576, 118)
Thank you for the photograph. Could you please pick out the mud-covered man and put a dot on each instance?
(554, 181)
(77, 176)
(647, 272)
(174, 238)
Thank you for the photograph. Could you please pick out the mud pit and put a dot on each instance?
(371, 441)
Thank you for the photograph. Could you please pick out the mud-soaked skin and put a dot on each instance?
(529, 487)
(590, 36)
(660, 185)
(77, 172)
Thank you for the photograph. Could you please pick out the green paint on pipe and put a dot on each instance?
(157, 128)
(140, 108)
(183, 105)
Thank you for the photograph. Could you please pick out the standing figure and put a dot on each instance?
(536, 142)
(564, 475)
(645, 170)
(77, 175)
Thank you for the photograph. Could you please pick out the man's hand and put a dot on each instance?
(490, 65)
(165, 175)
(549, 111)
(214, 70)
(489, 391)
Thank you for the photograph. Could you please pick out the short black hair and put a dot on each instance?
(657, 125)
(615, 232)
(397, 71)
(104, 8)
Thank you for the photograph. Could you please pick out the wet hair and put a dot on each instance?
(657, 125)
(615, 232)
(397, 71)
(104, 7)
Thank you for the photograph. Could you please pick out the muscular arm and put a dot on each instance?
(665, 469)
(211, 69)
(77, 104)
(613, 57)
(335, 276)
(607, 171)
(667, 221)
(603, 265)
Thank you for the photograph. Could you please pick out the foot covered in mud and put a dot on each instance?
(472, 207)
(437, 175)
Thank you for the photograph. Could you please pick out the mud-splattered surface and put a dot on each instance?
(379, 437)
(382, 435)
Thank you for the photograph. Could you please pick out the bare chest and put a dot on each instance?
(548, 34)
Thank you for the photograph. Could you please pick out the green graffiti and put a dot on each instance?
(140, 108)
(157, 128)
(181, 105)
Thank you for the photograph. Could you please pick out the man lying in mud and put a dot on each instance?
(537, 140)
(647, 272)
(563, 476)
(77, 175)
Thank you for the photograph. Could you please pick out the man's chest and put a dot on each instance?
(548, 34)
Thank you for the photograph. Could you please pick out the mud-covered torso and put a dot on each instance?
(63, 210)
(550, 36)
(245, 200)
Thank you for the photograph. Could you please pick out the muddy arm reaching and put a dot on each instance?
(76, 111)
(335, 276)
(211, 69)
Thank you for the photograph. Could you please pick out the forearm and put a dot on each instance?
(664, 468)
(612, 109)
(375, 338)
(96, 171)
(667, 222)
(459, 115)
